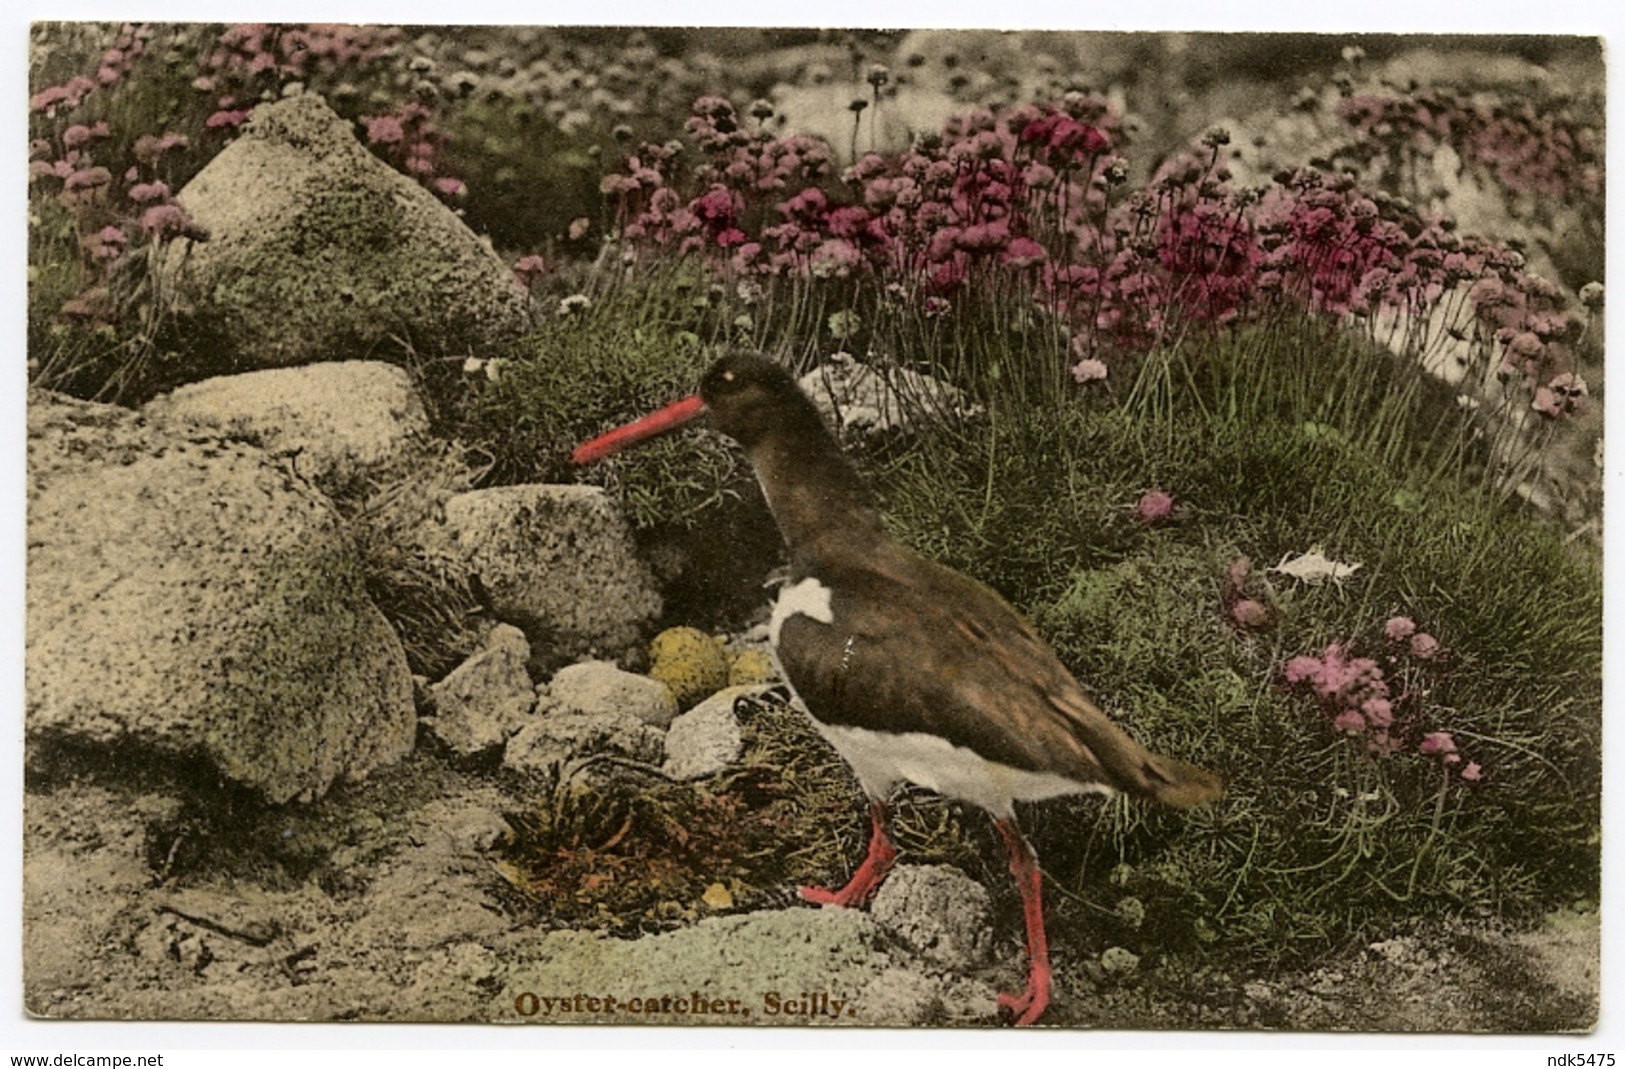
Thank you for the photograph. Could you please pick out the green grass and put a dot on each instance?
(1316, 841)
(631, 350)
(1275, 439)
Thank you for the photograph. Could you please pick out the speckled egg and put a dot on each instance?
(749, 667)
(689, 661)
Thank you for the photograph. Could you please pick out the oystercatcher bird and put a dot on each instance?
(912, 671)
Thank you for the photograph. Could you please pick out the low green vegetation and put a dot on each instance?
(1177, 387)
(1320, 838)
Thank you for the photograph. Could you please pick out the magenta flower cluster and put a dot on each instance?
(1523, 317)
(1032, 197)
(252, 61)
(112, 213)
(1360, 698)
(743, 168)
(128, 46)
(408, 139)
(928, 218)
(1540, 151)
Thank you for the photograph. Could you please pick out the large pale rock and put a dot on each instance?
(775, 967)
(600, 688)
(317, 249)
(341, 421)
(189, 599)
(487, 698)
(706, 739)
(939, 911)
(558, 561)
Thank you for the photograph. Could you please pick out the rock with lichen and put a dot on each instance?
(939, 911)
(559, 563)
(318, 250)
(342, 423)
(706, 739)
(1119, 961)
(767, 962)
(486, 698)
(191, 600)
(598, 688)
(542, 748)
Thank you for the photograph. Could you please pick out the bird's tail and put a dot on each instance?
(1130, 766)
(1178, 783)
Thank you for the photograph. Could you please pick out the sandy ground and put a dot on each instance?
(388, 903)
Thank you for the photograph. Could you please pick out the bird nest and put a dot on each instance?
(621, 848)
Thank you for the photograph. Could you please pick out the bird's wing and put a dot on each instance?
(923, 648)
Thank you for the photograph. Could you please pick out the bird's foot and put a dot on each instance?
(857, 892)
(882, 855)
(1027, 1007)
(823, 896)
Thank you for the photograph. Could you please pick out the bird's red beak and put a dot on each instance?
(666, 419)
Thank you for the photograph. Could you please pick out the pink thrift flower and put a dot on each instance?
(106, 244)
(1527, 345)
(94, 303)
(1250, 614)
(984, 237)
(48, 99)
(147, 192)
(226, 118)
(168, 221)
(943, 243)
(1437, 742)
(1154, 506)
(1472, 772)
(579, 228)
(450, 187)
(1301, 668)
(1023, 252)
(1424, 646)
(1087, 371)
(1349, 722)
(836, 257)
(89, 178)
(1379, 712)
(529, 269)
(1399, 628)
(384, 130)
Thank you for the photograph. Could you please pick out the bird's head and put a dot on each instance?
(746, 396)
(749, 396)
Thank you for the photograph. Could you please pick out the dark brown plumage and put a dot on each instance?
(911, 670)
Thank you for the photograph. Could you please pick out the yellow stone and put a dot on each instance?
(750, 667)
(689, 661)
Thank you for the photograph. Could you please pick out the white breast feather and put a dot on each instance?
(882, 759)
(807, 598)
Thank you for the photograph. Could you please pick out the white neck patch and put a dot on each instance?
(806, 598)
